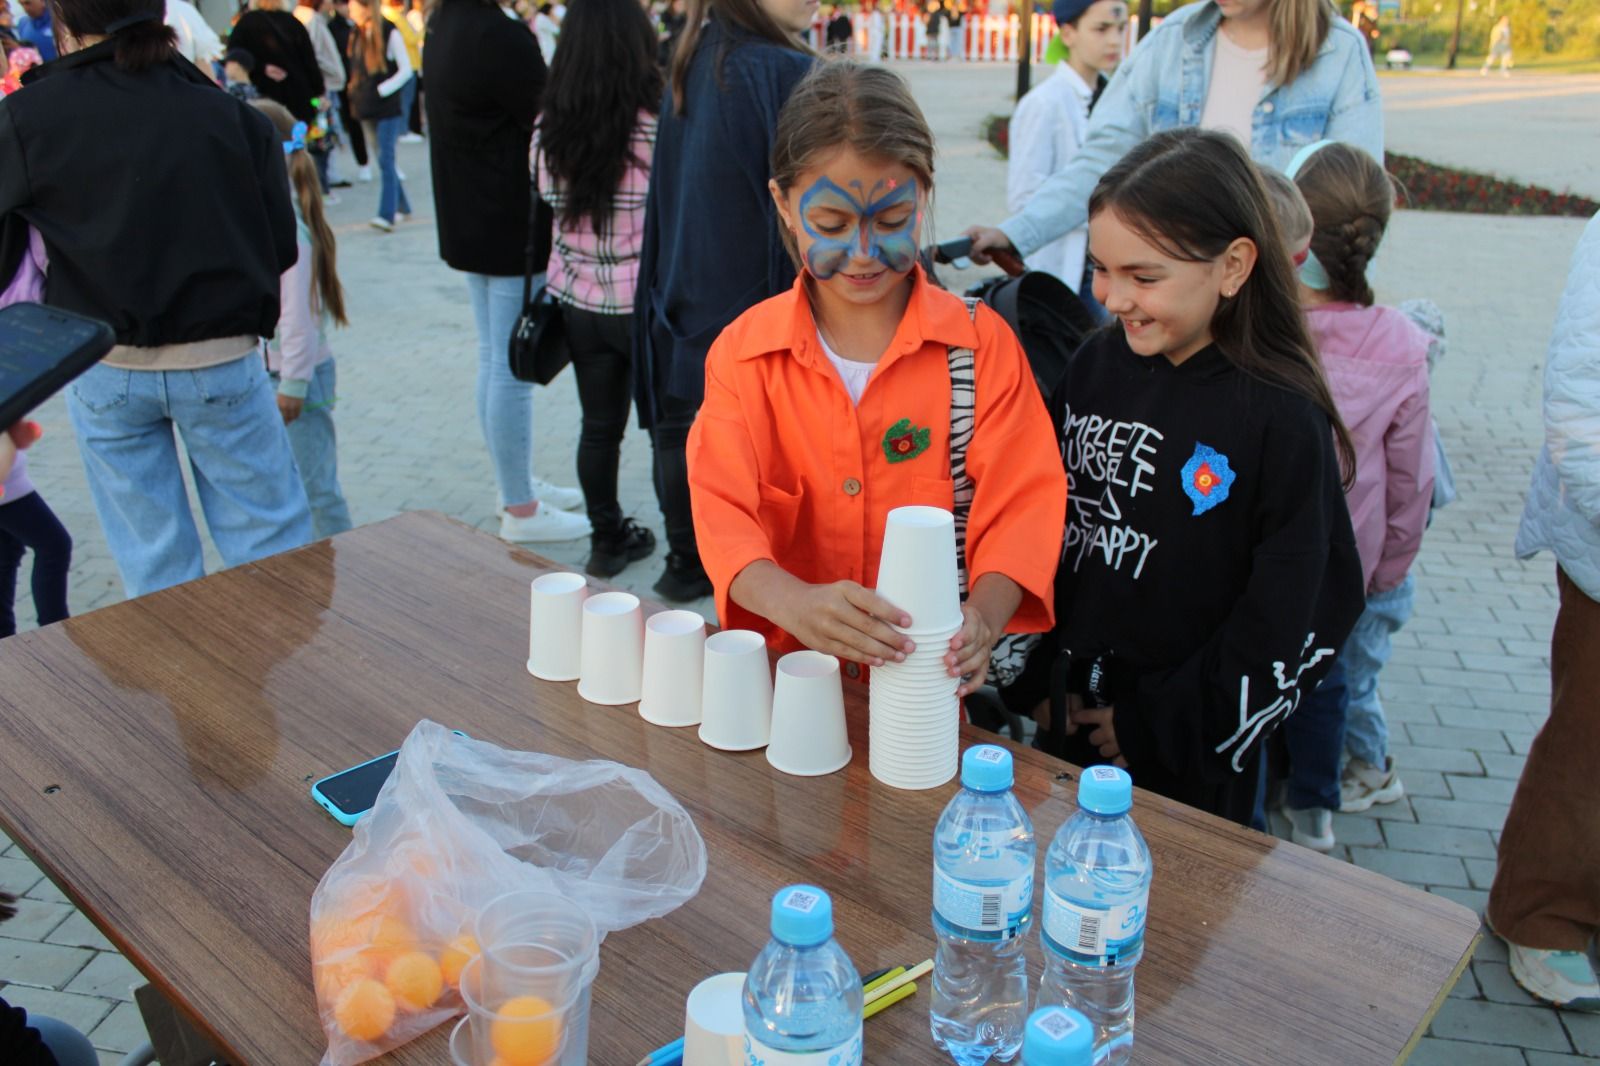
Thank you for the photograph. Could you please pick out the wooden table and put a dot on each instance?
(155, 758)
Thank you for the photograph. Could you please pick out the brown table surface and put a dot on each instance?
(155, 758)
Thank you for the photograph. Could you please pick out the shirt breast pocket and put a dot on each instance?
(779, 514)
(1302, 126)
(933, 492)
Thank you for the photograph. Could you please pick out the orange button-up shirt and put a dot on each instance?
(783, 466)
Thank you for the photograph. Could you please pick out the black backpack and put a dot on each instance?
(1047, 317)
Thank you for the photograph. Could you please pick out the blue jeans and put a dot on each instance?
(239, 454)
(505, 405)
(408, 100)
(68, 1045)
(391, 190)
(1365, 652)
(314, 443)
(1314, 735)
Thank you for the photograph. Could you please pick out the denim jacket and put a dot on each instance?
(1162, 84)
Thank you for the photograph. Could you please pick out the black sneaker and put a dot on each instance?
(683, 581)
(609, 554)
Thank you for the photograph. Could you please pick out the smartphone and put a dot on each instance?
(349, 794)
(42, 349)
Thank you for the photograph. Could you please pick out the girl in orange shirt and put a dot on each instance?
(862, 389)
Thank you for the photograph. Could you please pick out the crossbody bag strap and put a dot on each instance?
(533, 231)
(963, 411)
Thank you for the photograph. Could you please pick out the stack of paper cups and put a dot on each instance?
(914, 738)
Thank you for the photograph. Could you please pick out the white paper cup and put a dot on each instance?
(674, 664)
(917, 569)
(736, 704)
(713, 1022)
(613, 649)
(808, 731)
(555, 620)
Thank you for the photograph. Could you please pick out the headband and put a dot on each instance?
(132, 20)
(1312, 273)
(297, 139)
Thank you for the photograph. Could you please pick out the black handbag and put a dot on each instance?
(538, 350)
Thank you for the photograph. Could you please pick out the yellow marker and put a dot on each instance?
(885, 1002)
(868, 989)
(904, 979)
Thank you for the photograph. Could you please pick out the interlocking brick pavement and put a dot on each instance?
(1466, 691)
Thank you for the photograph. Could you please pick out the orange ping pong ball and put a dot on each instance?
(415, 980)
(364, 1010)
(462, 950)
(521, 1037)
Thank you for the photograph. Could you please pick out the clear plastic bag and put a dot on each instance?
(458, 823)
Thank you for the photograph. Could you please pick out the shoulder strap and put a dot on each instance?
(963, 408)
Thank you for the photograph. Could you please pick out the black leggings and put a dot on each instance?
(602, 361)
(352, 130)
(28, 522)
(674, 416)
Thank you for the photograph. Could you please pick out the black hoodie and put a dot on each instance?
(1209, 565)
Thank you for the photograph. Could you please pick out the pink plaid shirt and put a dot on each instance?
(599, 271)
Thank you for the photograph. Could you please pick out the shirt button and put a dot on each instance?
(1266, 108)
(852, 487)
(852, 670)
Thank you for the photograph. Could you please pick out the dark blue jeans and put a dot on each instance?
(1314, 738)
(27, 522)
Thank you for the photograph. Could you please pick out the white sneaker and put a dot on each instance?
(1311, 827)
(1564, 978)
(411, 138)
(400, 174)
(544, 525)
(1362, 785)
(379, 222)
(330, 199)
(402, 216)
(557, 496)
(364, 174)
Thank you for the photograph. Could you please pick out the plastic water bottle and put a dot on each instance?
(983, 858)
(1097, 889)
(802, 997)
(1058, 1036)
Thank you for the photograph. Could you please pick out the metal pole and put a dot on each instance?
(1024, 46)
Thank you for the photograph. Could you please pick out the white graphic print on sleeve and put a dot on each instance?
(1119, 457)
(1252, 723)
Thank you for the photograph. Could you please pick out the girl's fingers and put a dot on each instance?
(865, 647)
(863, 599)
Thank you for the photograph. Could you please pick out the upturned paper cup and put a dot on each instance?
(736, 708)
(713, 1022)
(674, 665)
(613, 649)
(555, 620)
(808, 731)
(917, 569)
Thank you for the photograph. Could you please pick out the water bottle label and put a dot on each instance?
(983, 912)
(846, 1054)
(1092, 935)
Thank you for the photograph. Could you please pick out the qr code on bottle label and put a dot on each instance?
(1058, 1024)
(1104, 773)
(802, 901)
(989, 754)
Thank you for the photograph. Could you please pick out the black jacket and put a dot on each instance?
(278, 38)
(485, 79)
(163, 201)
(1209, 564)
(20, 1044)
(711, 246)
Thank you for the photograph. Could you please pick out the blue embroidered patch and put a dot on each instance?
(1207, 477)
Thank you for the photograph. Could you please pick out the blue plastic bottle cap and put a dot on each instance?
(1105, 790)
(986, 768)
(802, 916)
(1057, 1036)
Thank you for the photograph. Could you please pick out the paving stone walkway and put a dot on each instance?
(1465, 693)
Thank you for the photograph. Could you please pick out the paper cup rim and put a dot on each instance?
(559, 583)
(612, 604)
(665, 623)
(744, 641)
(819, 771)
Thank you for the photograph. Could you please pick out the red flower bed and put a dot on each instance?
(1427, 186)
(1431, 187)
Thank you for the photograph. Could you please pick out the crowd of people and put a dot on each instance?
(1187, 554)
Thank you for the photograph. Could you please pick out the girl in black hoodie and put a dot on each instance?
(1209, 570)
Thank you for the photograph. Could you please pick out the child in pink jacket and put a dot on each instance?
(1376, 361)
